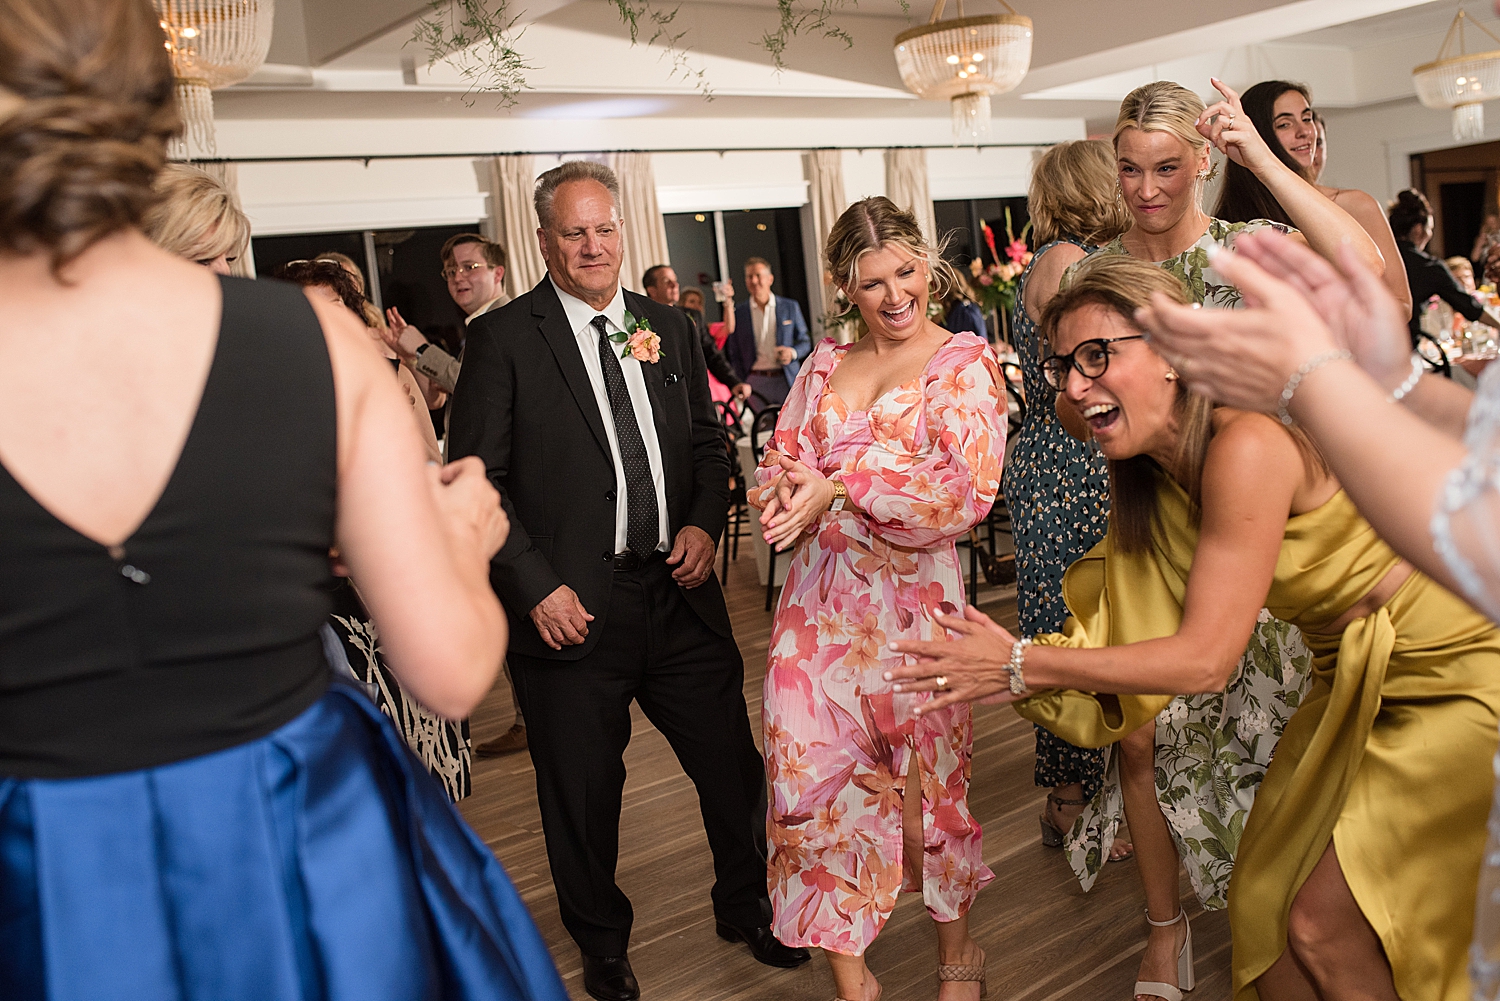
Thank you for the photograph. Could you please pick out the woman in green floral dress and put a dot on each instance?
(1206, 755)
(1057, 487)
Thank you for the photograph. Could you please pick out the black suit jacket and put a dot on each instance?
(525, 406)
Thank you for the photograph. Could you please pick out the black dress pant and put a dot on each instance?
(689, 682)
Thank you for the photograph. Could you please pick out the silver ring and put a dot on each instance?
(942, 682)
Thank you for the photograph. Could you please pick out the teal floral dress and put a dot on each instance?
(1057, 491)
(1211, 750)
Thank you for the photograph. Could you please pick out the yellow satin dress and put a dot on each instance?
(1389, 754)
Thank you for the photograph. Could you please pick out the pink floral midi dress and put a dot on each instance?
(922, 467)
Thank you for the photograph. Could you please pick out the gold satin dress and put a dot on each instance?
(1389, 754)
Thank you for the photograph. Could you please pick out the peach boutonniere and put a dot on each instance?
(639, 340)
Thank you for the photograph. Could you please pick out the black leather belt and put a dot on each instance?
(627, 561)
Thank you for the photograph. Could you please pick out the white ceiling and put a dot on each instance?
(352, 61)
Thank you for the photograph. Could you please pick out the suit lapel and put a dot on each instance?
(564, 344)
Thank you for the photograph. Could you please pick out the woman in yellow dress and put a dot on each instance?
(1356, 870)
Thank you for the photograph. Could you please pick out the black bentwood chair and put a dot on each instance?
(739, 514)
(765, 423)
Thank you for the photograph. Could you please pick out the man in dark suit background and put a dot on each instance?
(770, 337)
(614, 474)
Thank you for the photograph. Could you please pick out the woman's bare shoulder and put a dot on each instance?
(1247, 445)
(1046, 275)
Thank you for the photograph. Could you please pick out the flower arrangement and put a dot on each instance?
(639, 340)
(994, 286)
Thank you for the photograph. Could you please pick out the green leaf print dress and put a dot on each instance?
(1211, 750)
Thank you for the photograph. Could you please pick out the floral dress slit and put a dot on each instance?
(922, 467)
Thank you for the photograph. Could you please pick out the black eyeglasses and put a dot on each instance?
(1091, 359)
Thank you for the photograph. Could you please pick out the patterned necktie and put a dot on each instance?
(642, 526)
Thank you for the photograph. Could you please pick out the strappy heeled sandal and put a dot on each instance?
(973, 973)
(1052, 835)
(1157, 989)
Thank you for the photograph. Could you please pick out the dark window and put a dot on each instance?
(774, 234)
(959, 221)
(1462, 208)
(409, 268)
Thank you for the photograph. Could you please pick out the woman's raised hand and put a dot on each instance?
(971, 667)
(802, 495)
(1297, 306)
(470, 507)
(1225, 124)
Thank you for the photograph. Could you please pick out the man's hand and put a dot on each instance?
(785, 355)
(561, 619)
(742, 391)
(402, 337)
(694, 550)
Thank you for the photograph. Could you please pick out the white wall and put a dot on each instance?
(334, 195)
(1370, 148)
(316, 196)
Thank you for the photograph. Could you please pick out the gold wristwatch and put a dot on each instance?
(840, 494)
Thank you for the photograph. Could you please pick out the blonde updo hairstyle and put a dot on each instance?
(86, 108)
(1164, 106)
(195, 217)
(1074, 193)
(867, 226)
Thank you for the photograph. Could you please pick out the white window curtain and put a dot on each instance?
(643, 229)
(824, 171)
(228, 174)
(512, 222)
(906, 185)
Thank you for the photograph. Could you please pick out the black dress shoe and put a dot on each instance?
(763, 945)
(610, 978)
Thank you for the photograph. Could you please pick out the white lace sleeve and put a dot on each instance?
(1466, 518)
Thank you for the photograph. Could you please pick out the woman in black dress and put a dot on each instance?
(192, 805)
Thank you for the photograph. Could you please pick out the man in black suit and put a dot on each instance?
(614, 474)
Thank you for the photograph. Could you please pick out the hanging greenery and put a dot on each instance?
(648, 15)
(803, 19)
(477, 38)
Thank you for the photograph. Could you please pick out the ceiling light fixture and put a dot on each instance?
(1460, 79)
(965, 59)
(214, 43)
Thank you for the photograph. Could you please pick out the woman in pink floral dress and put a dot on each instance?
(886, 452)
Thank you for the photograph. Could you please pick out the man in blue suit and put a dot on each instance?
(770, 336)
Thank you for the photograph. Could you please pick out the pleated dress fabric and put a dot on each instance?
(1388, 756)
(320, 862)
(193, 807)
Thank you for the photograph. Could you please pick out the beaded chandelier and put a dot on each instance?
(965, 59)
(214, 43)
(1461, 80)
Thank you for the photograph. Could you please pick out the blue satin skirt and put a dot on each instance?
(319, 862)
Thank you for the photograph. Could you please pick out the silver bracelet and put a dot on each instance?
(1303, 371)
(1418, 368)
(1017, 662)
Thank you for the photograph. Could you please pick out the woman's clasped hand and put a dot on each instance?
(1301, 308)
(971, 667)
(793, 502)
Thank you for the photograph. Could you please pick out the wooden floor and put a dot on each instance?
(1046, 940)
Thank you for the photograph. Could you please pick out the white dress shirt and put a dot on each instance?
(581, 318)
(764, 322)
